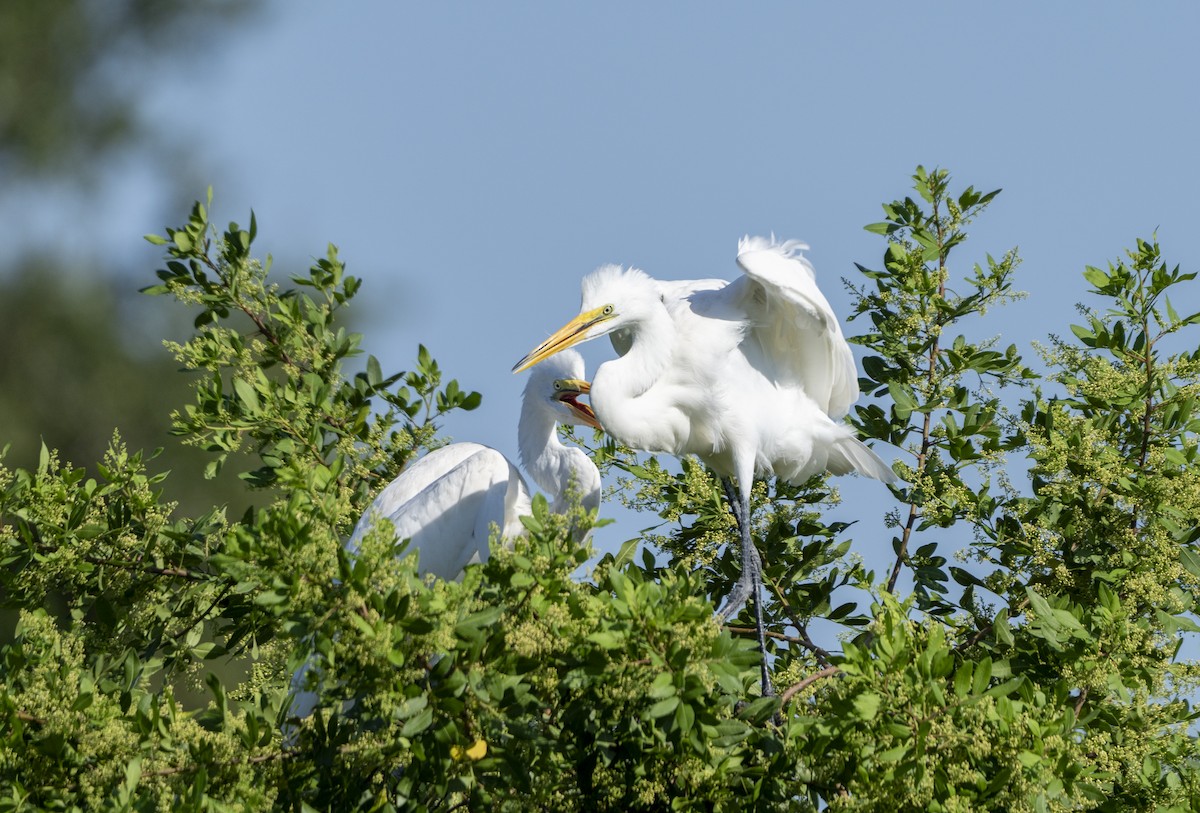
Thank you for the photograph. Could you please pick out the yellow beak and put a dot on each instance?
(566, 390)
(571, 333)
(575, 385)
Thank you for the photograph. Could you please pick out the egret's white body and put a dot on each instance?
(752, 376)
(447, 502)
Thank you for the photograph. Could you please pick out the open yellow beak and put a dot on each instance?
(569, 334)
(575, 385)
(567, 390)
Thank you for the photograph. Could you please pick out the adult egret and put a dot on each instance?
(751, 376)
(446, 503)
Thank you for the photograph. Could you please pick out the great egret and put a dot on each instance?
(751, 376)
(446, 503)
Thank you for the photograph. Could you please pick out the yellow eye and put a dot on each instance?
(608, 309)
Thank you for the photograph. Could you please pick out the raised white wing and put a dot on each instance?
(446, 503)
(798, 330)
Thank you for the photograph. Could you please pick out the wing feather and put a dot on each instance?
(795, 325)
(445, 503)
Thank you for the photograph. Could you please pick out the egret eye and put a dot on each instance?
(608, 310)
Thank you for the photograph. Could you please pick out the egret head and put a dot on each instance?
(567, 392)
(613, 298)
(556, 387)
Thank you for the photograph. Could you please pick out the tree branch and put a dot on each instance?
(791, 691)
(927, 424)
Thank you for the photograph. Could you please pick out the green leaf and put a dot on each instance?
(962, 679)
(663, 686)
(965, 577)
(983, 675)
(374, 373)
(1190, 561)
(1006, 688)
(664, 707)
(606, 639)
(208, 650)
(685, 717)
(1095, 276)
(246, 394)
(903, 399)
(760, 710)
(1085, 335)
(1173, 624)
(1029, 759)
(867, 705)
(133, 773)
(1040, 606)
(418, 723)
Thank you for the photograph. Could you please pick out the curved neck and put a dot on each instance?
(554, 466)
(619, 384)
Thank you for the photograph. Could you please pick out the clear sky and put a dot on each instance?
(473, 161)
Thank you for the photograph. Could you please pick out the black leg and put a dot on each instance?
(750, 583)
(752, 561)
(744, 586)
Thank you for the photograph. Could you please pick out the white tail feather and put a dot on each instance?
(851, 454)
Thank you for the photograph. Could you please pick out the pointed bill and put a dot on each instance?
(567, 390)
(571, 333)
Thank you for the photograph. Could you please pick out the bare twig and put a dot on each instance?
(984, 632)
(822, 655)
(256, 760)
(138, 567)
(200, 618)
(791, 691)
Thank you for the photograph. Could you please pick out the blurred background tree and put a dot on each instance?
(72, 73)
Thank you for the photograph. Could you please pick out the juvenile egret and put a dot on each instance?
(751, 376)
(447, 502)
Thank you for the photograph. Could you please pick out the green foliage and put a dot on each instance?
(59, 108)
(79, 374)
(78, 361)
(153, 661)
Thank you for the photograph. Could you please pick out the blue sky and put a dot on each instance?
(472, 162)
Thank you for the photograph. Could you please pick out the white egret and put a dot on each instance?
(446, 503)
(751, 376)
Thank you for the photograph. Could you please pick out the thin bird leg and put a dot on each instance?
(751, 559)
(750, 583)
(741, 591)
(735, 505)
(735, 508)
(745, 585)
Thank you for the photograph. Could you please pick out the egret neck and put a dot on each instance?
(553, 465)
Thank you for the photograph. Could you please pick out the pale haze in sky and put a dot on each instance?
(473, 161)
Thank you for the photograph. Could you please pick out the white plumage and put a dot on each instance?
(752, 376)
(447, 502)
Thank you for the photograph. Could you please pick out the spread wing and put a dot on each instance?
(445, 503)
(798, 330)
